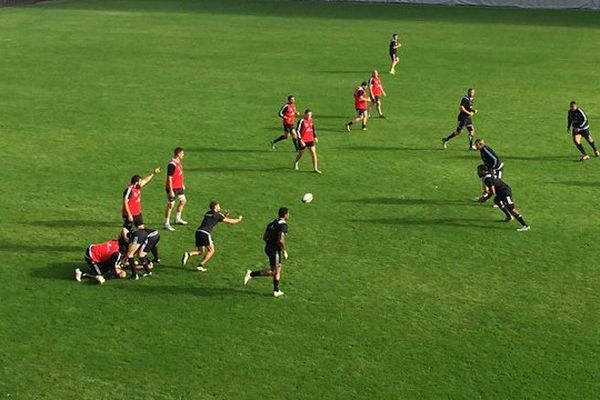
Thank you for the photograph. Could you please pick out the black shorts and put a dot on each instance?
(583, 132)
(179, 193)
(288, 128)
(101, 268)
(306, 144)
(498, 172)
(138, 220)
(203, 239)
(465, 122)
(361, 111)
(138, 236)
(504, 198)
(394, 56)
(274, 255)
(149, 244)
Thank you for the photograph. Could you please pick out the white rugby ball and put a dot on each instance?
(307, 198)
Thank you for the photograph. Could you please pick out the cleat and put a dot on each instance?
(185, 258)
(392, 72)
(272, 144)
(100, 279)
(134, 277)
(157, 261)
(382, 116)
(317, 171)
(247, 277)
(348, 127)
(201, 269)
(296, 166)
(364, 128)
(584, 158)
(147, 274)
(444, 144)
(180, 222)
(278, 293)
(78, 275)
(524, 228)
(168, 227)
(495, 206)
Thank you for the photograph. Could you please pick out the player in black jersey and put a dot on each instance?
(465, 120)
(393, 50)
(578, 122)
(275, 248)
(142, 243)
(502, 196)
(204, 242)
(490, 158)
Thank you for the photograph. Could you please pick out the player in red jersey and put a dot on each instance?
(132, 202)
(376, 91)
(288, 114)
(361, 101)
(306, 135)
(103, 260)
(175, 189)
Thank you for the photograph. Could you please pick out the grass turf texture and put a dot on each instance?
(398, 285)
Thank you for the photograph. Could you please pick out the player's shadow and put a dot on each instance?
(58, 271)
(453, 222)
(410, 202)
(201, 291)
(223, 150)
(71, 223)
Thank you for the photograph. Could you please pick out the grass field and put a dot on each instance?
(398, 286)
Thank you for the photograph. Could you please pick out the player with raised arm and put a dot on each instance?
(579, 126)
(465, 114)
(132, 202)
(376, 91)
(204, 243)
(502, 196)
(288, 114)
(175, 188)
(275, 248)
(307, 139)
(361, 101)
(393, 50)
(103, 260)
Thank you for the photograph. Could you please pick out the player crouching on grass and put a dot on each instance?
(307, 138)
(142, 242)
(204, 242)
(502, 196)
(275, 249)
(103, 260)
(577, 120)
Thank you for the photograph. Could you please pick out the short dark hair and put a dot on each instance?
(364, 83)
(283, 211)
(135, 178)
(480, 141)
(213, 204)
(290, 97)
(470, 89)
(307, 111)
(178, 150)
(573, 103)
(481, 168)
(394, 34)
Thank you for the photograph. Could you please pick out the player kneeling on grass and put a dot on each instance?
(502, 196)
(275, 249)
(204, 242)
(577, 120)
(103, 260)
(307, 139)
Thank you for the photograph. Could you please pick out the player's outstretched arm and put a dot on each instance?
(233, 221)
(149, 177)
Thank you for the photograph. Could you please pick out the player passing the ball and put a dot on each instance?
(275, 248)
(132, 202)
(306, 135)
(376, 91)
(204, 243)
(175, 188)
(393, 50)
(361, 101)
(579, 126)
(288, 114)
(465, 119)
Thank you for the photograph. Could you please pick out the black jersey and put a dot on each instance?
(393, 44)
(467, 103)
(153, 237)
(498, 184)
(490, 158)
(274, 231)
(577, 119)
(210, 220)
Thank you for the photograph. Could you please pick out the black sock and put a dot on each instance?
(144, 261)
(593, 144)
(519, 218)
(131, 263)
(505, 211)
(155, 254)
(470, 141)
(350, 123)
(254, 273)
(450, 136)
(580, 148)
(279, 139)
(275, 285)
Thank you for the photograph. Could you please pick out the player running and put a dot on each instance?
(502, 196)
(204, 242)
(275, 248)
(175, 189)
(306, 135)
(490, 158)
(578, 122)
(132, 202)
(466, 112)
(376, 91)
(288, 114)
(394, 46)
(103, 260)
(361, 101)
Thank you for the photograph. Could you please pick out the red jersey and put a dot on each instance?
(306, 130)
(134, 200)
(288, 113)
(102, 252)
(375, 85)
(359, 102)
(175, 171)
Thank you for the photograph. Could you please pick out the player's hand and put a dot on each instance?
(285, 255)
(316, 140)
(302, 143)
(130, 218)
(172, 195)
(156, 170)
(240, 218)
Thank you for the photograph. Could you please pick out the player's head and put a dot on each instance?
(120, 273)
(375, 73)
(179, 152)
(471, 92)
(394, 36)
(481, 170)
(573, 105)
(308, 113)
(214, 206)
(284, 213)
(364, 84)
(291, 99)
(135, 180)
(479, 143)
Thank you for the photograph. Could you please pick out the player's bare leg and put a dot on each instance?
(168, 210)
(452, 135)
(313, 156)
(131, 250)
(577, 142)
(591, 142)
(298, 157)
(180, 206)
(275, 272)
(210, 251)
(378, 103)
(194, 253)
(471, 132)
(394, 63)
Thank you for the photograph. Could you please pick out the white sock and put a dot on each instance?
(167, 221)
(178, 217)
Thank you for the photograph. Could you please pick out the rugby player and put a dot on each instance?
(465, 114)
(376, 91)
(393, 50)
(288, 114)
(579, 126)
(132, 202)
(490, 158)
(103, 260)
(306, 135)
(175, 188)
(275, 248)
(361, 101)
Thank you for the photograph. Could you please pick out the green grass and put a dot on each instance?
(398, 285)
